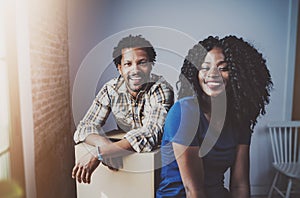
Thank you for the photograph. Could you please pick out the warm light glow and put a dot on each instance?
(4, 102)
(3, 106)
(2, 30)
(10, 189)
(4, 127)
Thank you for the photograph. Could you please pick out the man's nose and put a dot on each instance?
(135, 67)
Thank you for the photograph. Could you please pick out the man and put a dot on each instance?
(139, 102)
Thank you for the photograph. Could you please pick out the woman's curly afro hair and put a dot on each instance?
(249, 85)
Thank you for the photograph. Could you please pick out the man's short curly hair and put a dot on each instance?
(133, 42)
(249, 85)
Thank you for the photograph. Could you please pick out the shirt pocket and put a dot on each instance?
(123, 116)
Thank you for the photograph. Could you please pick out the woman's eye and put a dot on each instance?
(204, 68)
(223, 68)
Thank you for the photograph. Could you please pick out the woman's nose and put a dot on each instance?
(213, 72)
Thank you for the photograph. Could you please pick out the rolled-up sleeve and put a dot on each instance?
(147, 137)
(95, 117)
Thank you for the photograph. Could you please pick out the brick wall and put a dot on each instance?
(54, 154)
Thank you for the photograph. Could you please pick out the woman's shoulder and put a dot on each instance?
(182, 121)
(189, 103)
(186, 108)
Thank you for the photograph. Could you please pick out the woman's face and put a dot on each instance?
(213, 74)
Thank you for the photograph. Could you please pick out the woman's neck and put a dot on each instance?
(215, 110)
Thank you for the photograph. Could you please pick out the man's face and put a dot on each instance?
(135, 69)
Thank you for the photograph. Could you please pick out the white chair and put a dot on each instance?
(286, 153)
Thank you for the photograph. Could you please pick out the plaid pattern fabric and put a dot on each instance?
(142, 118)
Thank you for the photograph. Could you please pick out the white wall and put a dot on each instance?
(269, 24)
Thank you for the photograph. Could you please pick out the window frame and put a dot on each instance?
(15, 150)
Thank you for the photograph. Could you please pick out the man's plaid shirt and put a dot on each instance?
(142, 118)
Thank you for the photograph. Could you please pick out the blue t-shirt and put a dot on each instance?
(186, 124)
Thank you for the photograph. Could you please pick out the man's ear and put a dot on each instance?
(119, 69)
(152, 65)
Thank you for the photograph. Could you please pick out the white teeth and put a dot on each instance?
(136, 78)
(213, 83)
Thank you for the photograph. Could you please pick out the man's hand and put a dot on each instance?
(113, 163)
(112, 153)
(84, 168)
(87, 164)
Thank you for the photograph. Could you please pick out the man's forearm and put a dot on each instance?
(109, 148)
(96, 140)
(117, 149)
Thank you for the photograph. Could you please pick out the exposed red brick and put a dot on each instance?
(54, 152)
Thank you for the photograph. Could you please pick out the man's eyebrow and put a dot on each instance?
(127, 62)
(143, 59)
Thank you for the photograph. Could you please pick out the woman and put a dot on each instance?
(224, 87)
